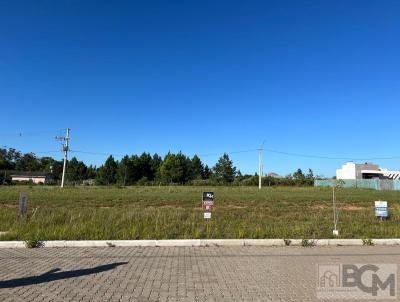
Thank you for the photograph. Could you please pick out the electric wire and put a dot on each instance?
(30, 133)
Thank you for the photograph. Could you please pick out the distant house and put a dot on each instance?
(89, 182)
(274, 175)
(352, 170)
(35, 177)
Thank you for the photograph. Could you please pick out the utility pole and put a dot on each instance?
(260, 167)
(335, 212)
(65, 145)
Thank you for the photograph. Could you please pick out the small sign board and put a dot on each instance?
(208, 201)
(381, 209)
(207, 215)
(23, 200)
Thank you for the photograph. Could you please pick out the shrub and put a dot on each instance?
(367, 241)
(307, 242)
(33, 243)
(143, 181)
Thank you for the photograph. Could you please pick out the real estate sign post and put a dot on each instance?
(23, 200)
(381, 209)
(207, 205)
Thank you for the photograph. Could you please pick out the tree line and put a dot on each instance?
(144, 169)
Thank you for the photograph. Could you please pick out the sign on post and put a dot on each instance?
(207, 204)
(381, 209)
(23, 200)
(208, 201)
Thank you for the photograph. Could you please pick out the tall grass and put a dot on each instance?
(175, 212)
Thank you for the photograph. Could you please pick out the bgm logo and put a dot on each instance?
(357, 281)
(208, 195)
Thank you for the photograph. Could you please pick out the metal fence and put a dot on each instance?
(376, 184)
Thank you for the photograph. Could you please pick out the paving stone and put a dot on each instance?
(237, 273)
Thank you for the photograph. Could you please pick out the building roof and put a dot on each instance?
(30, 174)
(372, 171)
(275, 175)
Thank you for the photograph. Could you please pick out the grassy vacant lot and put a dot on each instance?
(175, 212)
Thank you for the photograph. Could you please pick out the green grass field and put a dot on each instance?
(175, 212)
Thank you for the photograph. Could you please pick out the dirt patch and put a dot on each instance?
(347, 207)
(235, 207)
(353, 208)
(12, 206)
(319, 207)
(164, 207)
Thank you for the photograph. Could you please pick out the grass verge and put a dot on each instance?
(175, 213)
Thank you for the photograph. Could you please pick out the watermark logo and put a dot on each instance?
(357, 281)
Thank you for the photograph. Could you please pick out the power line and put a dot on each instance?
(96, 153)
(232, 152)
(254, 150)
(304, 155)
(293, 154)
(38, 152)
(329, 157)
(23, 134)
(44, 152)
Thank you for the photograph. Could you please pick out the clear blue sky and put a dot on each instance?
(312, 77)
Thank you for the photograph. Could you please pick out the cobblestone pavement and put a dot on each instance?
(174, 273)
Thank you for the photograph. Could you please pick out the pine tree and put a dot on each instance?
(175, 168)
(207, 172)
(196, 168)
(107, 174)
(224, 171)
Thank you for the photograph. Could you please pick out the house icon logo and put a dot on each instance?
(356, 281)
(329, 276)
(329, 279)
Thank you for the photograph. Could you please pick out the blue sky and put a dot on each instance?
(309, 77)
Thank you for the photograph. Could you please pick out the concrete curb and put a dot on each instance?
(201, 242)
(386, 241)
(11, 244)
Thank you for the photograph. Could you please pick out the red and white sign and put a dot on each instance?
(208, 201)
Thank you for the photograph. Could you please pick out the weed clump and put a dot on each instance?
(33, 243)
(308, 242)
(367, 241)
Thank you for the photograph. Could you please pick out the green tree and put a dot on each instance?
(50, 165)
(134, 171)
(156, 162)
(310, 177)
(175, 168)
(124, 171)
(224, 171)
(310, 174)
(145, 170)
(107, 173)
(8, 158)
(28, 162)
(91, 172)
(299, 177)
(207, 172)
(76, 170)
(196, 168)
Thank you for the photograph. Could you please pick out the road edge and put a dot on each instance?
(204, 243)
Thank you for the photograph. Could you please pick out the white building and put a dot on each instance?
(351, 170)
(34, 177)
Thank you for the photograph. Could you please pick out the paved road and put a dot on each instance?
(173, 274)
